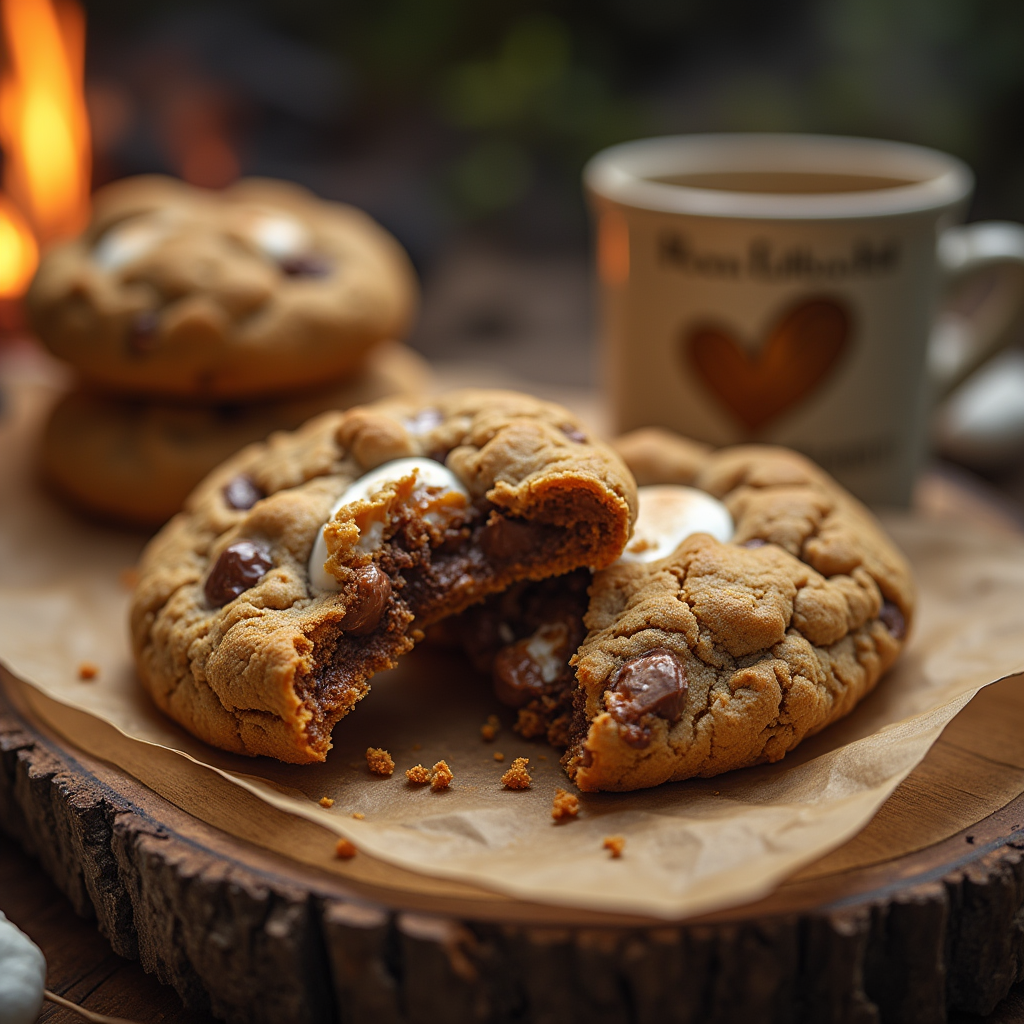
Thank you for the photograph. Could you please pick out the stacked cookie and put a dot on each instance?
(708, 620)
(198, 322)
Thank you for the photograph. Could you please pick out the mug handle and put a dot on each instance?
(963, 340)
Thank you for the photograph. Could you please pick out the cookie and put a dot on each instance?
(756, 603)
(175, 291)
(135, 462)
(731, 650)
(304, 565)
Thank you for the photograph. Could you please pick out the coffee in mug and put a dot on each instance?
(785, 289)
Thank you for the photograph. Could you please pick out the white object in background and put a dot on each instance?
(280, 237)
(669, 514)
(22, 975)
(431, 474)
(982, 423)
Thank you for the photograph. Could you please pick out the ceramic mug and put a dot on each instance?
(787, 289)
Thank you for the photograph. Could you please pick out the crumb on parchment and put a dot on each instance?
(499, 756)
(379, 761)
(614, 845)
(345, 849)
(565, 806)
(88, 670)
(440, 776)
(418, 775)
(326, 801)
(358, 815)
(490, 728)
(517, 777)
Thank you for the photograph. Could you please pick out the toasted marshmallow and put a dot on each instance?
(429, 473)
(668, 515)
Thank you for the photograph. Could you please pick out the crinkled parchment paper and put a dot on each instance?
(691, 847)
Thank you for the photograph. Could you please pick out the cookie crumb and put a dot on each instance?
(517, 777)
(542, 757)
(379, 761)
(499, 756)
(326, 801)
(417, 746)
(345, 849)
(490, 728)
(129, 578)
(358, 815)
(614, 845)
(565, 806)
(417, 774)
(440, 776)
(88, 670)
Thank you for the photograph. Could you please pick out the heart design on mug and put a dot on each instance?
(799, 353)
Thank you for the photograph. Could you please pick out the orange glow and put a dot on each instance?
(19, 253)
(44, 128)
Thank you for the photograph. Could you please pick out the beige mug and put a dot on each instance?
(788, 289)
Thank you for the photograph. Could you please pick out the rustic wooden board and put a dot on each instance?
(921, 914)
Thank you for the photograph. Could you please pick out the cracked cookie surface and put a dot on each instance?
(726, 655)
(251, 646)
(185, 293)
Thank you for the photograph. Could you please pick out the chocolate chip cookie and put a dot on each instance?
(729, 651)
(304, 565)
(134, 462)
(756, 603)
(181, 292)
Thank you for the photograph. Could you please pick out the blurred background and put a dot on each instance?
(463, 126)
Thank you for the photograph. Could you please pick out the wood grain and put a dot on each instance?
(885, 933)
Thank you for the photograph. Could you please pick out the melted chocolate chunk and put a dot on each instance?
(511, 540)
(242, 492)
(652, 684)
(754, 542)
(573, 433)
(518, 679)
(142, 335)
(892, 619)
(239, 567)
(308, 265)
(373, 590)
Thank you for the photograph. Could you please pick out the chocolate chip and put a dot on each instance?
(652, 684)
(754, 542)
(239, 567)
(573, 434)
(507, 540)
(892, 619)
(309, 265)
(242, 492)
(366, 609)
(142, 335)
(517, 677)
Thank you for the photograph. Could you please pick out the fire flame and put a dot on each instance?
(19, 253)
(44, 131)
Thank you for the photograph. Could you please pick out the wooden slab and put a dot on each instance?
(918, 915)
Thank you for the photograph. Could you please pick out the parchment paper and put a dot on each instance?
(691, 847)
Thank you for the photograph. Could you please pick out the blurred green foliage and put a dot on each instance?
(514, 97)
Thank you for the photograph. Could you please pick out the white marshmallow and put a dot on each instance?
(668, 515)
(430, 473)
(126, 242)
(280, 237)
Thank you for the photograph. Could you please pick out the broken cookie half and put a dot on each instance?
(305, 565)
(756, 603)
